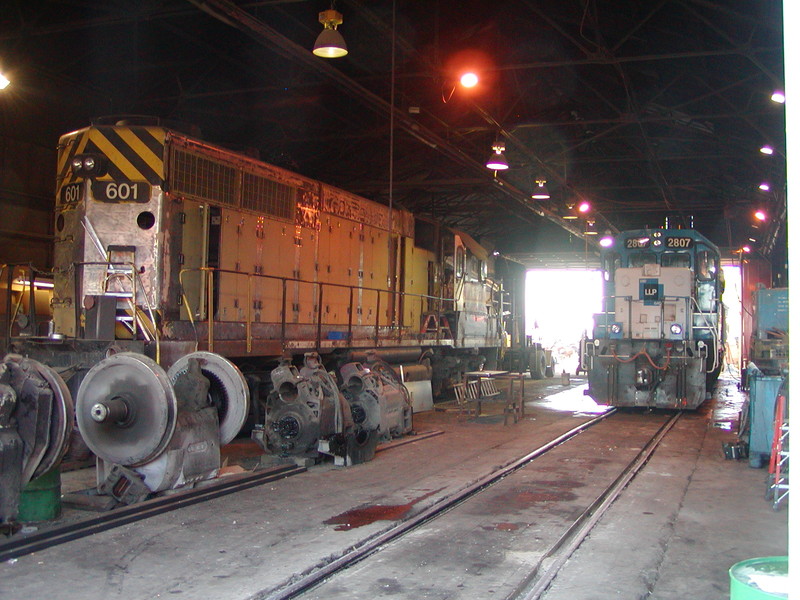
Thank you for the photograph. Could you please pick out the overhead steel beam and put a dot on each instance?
(233, 15)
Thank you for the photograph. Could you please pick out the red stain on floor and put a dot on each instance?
(365, 515)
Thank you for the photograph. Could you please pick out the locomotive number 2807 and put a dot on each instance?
(679, 242)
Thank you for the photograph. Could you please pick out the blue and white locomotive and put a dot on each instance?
(659, 340)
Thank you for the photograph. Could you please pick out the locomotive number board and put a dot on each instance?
(637, 242)
(121, 191)
(679, 242)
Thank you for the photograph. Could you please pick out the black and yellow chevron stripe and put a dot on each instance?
(133, 153)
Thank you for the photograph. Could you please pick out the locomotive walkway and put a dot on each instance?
(678, 526)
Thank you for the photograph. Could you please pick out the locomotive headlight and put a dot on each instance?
(88, 165)
(656, 242)
(676, 329)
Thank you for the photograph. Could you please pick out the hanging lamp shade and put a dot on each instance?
(330, 43)
(540, 192)
(497, 162)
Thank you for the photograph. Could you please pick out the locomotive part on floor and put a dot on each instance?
(152, 430)
(36, 416)
(308, 415)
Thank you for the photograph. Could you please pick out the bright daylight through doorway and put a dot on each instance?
(559, 305)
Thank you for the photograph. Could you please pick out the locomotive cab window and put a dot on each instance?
(706, 265)
(639, 259)
(461, 260)
(676, 259)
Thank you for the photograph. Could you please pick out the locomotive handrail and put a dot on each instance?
(319, 285)
(28, 284)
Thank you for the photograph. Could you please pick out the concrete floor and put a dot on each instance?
(683, 521)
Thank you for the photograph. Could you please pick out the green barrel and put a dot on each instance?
(40, 499)
(760, 578)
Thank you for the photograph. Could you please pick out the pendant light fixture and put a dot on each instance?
(330, 43)
(497, 161)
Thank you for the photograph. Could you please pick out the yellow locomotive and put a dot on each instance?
(181, 245)
(187, 275)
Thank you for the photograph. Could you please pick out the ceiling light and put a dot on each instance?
(330, 43)
(584, 207)
(4, 82)
(590, 229)
(778, 96)
(764, 186)
(540, 193)
(760, 215)
(469, 80)
(765, 149)
(497, 161)
(745, 248)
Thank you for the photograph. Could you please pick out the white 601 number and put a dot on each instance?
(121, 191)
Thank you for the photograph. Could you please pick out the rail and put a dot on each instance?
(21, 545)
(390, 328)
(541, 571)
(126, 272)
(26, 277)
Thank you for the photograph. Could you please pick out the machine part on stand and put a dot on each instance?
(36, 414)
(359, 446)
(126, 409)
(228, 392)
(378, 386)
(304, 410)
(163, 426)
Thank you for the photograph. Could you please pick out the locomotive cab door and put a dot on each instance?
(200, 249)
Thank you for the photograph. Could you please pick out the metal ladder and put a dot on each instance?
(778, 478)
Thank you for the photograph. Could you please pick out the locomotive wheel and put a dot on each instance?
(126, 409)
(228, 392)
(60, 420)
(49, 426)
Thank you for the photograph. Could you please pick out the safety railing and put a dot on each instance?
(131, 292)
(19, 283)
(386, 325)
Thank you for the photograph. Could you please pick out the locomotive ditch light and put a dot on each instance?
(676, 331)
(89, 165)
(616, 330)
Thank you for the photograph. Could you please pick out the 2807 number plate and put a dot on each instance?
(640, 242)
(121, 191)
(679, 242)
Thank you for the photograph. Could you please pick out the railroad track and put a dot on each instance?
(25, 544)
(320, 580)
